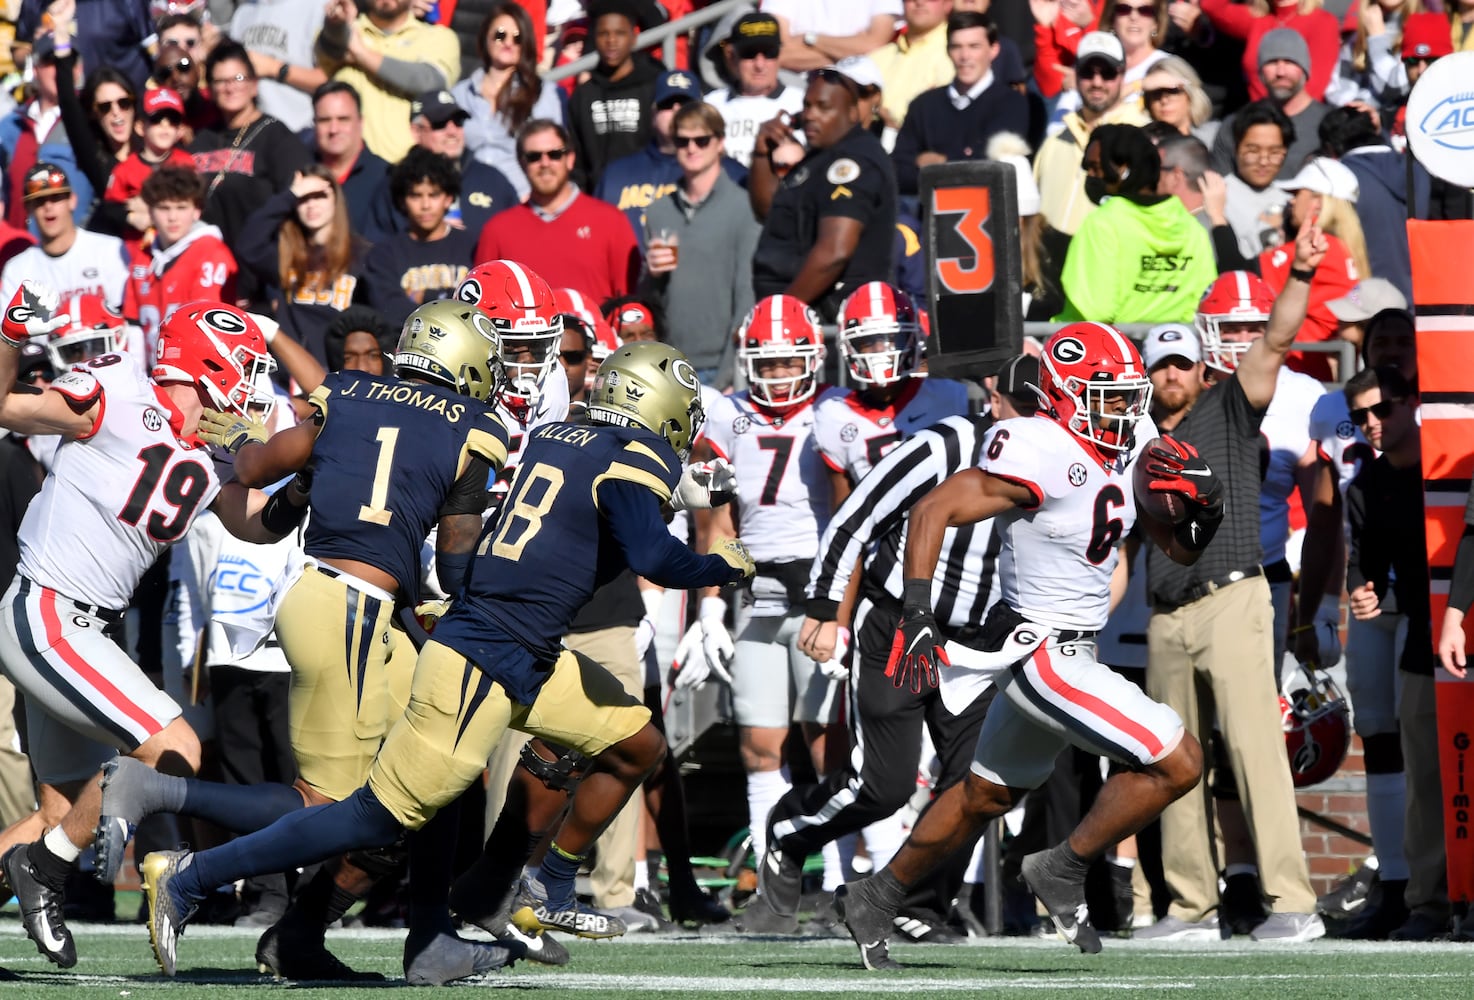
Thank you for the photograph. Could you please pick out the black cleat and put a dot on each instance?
(869, 923)
(532, 915)
(1065, 902)
(541, 948)
(695, 906)
(40, 908)
(434, 958)
(304, 958)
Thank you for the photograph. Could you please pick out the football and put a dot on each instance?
(1168, 508)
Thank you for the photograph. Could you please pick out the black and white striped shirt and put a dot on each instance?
(872, 522)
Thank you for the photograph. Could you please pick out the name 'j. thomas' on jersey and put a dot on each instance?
(1058, 554)
(388, 457)
(117, 496)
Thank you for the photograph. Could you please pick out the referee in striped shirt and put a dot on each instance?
(886, 721)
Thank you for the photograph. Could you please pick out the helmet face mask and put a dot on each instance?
(95, 330)
(781, 328)
(879, 335)
(219, 350)
(1095, 385)
(651, 385)
(1234, 304)
(452, 344)
(526, 321)
(1317, 725)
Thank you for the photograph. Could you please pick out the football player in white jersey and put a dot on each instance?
(1238, 303)
(783, 504)
(881, 344)
(126, 484)
(1060, 487)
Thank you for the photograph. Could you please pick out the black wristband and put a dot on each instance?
(280, 516)
(1306, 276)
(281, 74)
(822, 609)
(1196, 532)
(916, 593)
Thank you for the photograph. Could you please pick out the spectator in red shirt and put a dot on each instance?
(572, 239)
(185, 261)
(162, 126)
(1249, 22)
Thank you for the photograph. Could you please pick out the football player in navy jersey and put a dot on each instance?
(390, 457)
(494, 660)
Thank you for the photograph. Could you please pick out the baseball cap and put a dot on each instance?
(630, 314)
(676, 83)
(1325, 176)
(756, 33)
(1017, 378)
(1426, 35)
(44, 180)
(1101, 45)
(1367, 297)
(860, 70)
(1284, 43)
(437, 107)
(160, 100)
(1171, 340)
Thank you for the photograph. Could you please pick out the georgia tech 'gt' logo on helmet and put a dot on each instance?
(650, 385)
(451, 343)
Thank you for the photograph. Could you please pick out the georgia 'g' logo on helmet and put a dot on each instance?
(527, 321)
(94, 329)
(1095, 384)
(219, 349)
(1317, 725)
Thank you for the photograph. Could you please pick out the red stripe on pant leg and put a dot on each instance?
(1094, 705)
(52, 624)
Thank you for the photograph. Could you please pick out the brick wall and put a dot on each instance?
(1330, 855)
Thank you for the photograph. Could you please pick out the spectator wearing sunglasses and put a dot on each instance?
(67, 259)
(632, 182)
(35, 132)
(751, 55)
(1173, 94)
(1099, 64)
(180, 72)
(163, 131)
(279, 35)
(572, 239)
(505, 92)
(956, 121)
(438, 124)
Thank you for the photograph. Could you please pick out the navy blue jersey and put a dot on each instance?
(387, 459)
(583, 507)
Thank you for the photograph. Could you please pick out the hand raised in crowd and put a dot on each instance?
(1215, 196)
(1373, 22)
(1451, 644)
(1310, 246)
(1044, 11)
(339, 12)
(1184, 14)
(1078, 13)
(772, 133)
(1364, 602)
(1367, 109)
(661, 258)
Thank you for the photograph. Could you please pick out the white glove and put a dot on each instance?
(644, 636)
(705, 485)
(716, 641)
(1328, 630)
(834, 668)
(691, 668)
(645, 631)
(268, 326)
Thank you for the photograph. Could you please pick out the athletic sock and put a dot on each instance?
(53, 857)
(838, 856)
(237, 808)
(889, 889)
(559, 869)
(764, 789)
(642, 876)
(1062, 860)
(1387, 816)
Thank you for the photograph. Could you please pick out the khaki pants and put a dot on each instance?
(17, 791)
(1213, 658)
(613, 877)
(1423, 846)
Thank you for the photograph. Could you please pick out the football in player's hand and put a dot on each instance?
(1149, 478)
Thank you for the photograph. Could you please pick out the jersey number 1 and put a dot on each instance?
(374, 511)
(183, 489)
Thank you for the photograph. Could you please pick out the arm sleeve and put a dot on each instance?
(875, 507)
(1226, 251)
(1388, 77)
(256, 246)
(74, 119)
(411, 77)
(1356, 516)
(633, 515)
(468, 494)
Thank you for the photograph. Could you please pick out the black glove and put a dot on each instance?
(917, 648)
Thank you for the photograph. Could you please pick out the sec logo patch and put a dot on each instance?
(741, 425)
(849, 433)
(153, 421)
(1345, 430)
(1077, 474)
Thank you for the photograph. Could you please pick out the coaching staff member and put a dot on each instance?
(1210, 648)
(829, 223)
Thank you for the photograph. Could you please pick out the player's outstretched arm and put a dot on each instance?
(1258, 372)
(261, 463)
(633, 514)
(252, 516)
(970, 496)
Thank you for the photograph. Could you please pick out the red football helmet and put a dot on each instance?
(95, 329)
(1235, 297)
(781, 327)
(527, 320)
(1317, 724)
(880, 336)
(572, 302)
(1084, 369)
(218, 348)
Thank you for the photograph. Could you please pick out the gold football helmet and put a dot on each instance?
(650, 385)
(452, 344)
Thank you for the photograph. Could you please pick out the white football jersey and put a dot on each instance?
(1286, 433)
(782, 485)
(1057, 558)
(551, 408)
(1338, 440)
(853, 436)
(116, 498)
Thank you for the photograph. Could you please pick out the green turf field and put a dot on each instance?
(116, 964)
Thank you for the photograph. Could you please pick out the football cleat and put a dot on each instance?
(869, 923)
(303, 959)
(40, 908)
(168, 909)
(437, 957)
(532, 915)
(469, 903)
(131, 790)
(1064, 900)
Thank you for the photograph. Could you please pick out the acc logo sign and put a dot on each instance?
(1068, 351)
(1440, 119)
